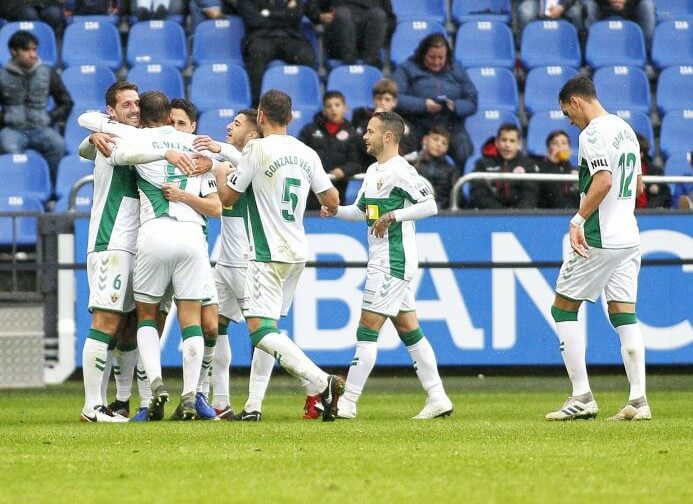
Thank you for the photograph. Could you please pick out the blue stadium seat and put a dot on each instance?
(413, 10)
(87, 84)
(677, 163)
(213, 122)
(615, 42)
(543, 123)
(484, 124)
(83, 200)
(352, 190)
(92, 43)
(220, 85)
(623, 88)
(407, 36)
(641, 123)
(356, 83)
(485, 43)
(157, 42)
(25, 174)
(301, 117)
(675, 89)
(671, 10)
(23, 230)
(155, 77)
(496, 87)
(468, 168)
(74, 134)
(672, 44)
(542, 86)
(465, 11)
(218, 41)
(47, 49)
(675, 135)
(550, 43)
(71, 168)
(113, 19)
(299, 82)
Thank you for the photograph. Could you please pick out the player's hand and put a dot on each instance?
(172, 192)
(450, 104)
(338, 173)
(327, 212)
(432, 106)
(578, 241)
(203, 142)
(181, 161)
(225, 168)
(202, 164)
(379, 227)
(104, 142)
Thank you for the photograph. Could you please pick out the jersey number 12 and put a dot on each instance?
(626, 166)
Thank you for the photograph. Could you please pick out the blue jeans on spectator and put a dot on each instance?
(644, 15)
(46, 141)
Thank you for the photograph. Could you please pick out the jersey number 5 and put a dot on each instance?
(290, 198)
(626, 165)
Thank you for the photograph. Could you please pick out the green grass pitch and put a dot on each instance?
(495, 448)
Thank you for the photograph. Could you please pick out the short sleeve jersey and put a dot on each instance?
(389, 186)
(609, 143)
(276, 173)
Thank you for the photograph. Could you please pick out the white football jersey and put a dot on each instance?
(234, 250)
(389, 186)
(276, 174)
(609, 143)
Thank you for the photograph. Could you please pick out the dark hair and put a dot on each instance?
(578, 86)
(333, 94)
(22, 39)
(508, 127)
(432, 40)
(385, 86)
(276, 105)
(556, 133)
(644, 144)
(186, 106)
(393, 122)
(117, 87)
(439, 129)
(251, 116)
(154, 107)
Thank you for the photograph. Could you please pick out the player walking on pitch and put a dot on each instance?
(392, 196)
(606, 254)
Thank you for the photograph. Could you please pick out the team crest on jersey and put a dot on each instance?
(379, 184)
(114, 297)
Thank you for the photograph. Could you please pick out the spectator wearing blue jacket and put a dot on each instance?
(435, 89)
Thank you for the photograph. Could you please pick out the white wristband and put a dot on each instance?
(577, 220)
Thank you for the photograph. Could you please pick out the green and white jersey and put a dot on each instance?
(609, 143)
(389, 186)
(276, 174)
(115, 208)
(234, 249)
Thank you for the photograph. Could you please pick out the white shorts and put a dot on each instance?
(386, 294)
(109, 273)
(171, 252)
(230, 286)
(270, 287)
(612, 271)
(210, 296)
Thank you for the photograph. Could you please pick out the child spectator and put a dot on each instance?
(335, 141)
(505, 193)
(655, 195)
(434, 165)
(557, 161)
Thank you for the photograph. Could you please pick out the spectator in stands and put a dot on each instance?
(499, 194)
(433, 163)
(48, 11)
(354, 29)
(93, 7)
(557, 161)
(335, 141)
(25, 85)
(640, 11)
(435, 89)
(145, 10)
(655, 195)
(530, 10)
(384, 100)
(201, 10)
(273, 31)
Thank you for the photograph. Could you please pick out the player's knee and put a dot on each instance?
(561, 315)
(366, 334)
(410, 338)
(621, 319)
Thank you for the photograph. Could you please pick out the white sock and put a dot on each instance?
(633, 353)
(144, 389)
(291, 357)
(361, 366)
(206, 367)
(106, 377)
(150, 351)
(94, 354)
(573, 353)
(260, 372)
(193, 350)
(220, 372)
(126, 361)
(424, 361)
